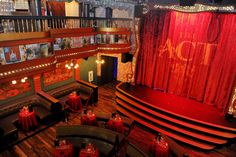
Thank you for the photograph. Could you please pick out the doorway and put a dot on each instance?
(109, 69)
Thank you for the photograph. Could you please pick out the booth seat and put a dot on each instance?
(108, 142)
(9, 113)
(88, 92)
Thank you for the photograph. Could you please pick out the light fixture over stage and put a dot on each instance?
(195, 8)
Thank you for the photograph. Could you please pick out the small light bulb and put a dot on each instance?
(13, 82)
(23, 80)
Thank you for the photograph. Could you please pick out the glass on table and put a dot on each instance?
(90, 147)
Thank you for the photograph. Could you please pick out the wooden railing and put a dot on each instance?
(44, 23)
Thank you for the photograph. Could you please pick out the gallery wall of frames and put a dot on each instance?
(50, 54)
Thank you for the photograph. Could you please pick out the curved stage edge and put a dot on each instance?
(175, 116)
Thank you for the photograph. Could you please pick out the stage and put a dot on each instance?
(186, 120)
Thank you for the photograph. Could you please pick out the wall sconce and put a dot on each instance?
(72, 66)
(99, 61)
(24, 79)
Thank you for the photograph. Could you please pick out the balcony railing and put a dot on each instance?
(44, 23)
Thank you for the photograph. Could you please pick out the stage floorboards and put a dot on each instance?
(41, 145)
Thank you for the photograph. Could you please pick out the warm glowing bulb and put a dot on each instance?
(102, 61)
(67, 65)
(97, 61)
(71, 64)
(23, 80)
(76, 66)
(13, 82)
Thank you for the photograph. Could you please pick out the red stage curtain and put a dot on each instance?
(189, 54)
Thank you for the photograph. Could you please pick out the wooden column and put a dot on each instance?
(37, 83)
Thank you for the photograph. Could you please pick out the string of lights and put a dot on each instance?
(196, 8)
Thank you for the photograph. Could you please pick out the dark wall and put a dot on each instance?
(87, 65)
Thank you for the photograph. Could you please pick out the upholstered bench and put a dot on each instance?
(133, 150)
(9, 114)
(88, 92)
(108, 142)
(128, 122)
(7, 127)
(63, 92)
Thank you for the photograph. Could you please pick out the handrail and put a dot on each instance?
(65, 17)
(44, 23)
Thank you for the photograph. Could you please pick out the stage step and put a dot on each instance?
(190, 131)
(174, 136)
(179, 130)
(201, 128)
(215, 126)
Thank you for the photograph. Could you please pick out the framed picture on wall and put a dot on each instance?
(57, 44)
(90, 76)
(32, 51)
(2, 57)
(12, 54)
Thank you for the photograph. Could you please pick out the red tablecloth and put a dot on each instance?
(116, 124)
(27, 119)
(89, 153)
(74, 102)
(159, 149)
(89, 119)
(63, 151)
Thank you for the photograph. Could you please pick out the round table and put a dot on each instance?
(116, 124)
(27, 119)
(89, 119)
(159, 148)
(89, 151)
(63, 151)
(74, 102)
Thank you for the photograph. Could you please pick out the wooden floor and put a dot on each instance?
(42, 144)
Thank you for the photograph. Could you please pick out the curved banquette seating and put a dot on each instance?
(88, 92)
(45, 109)
(189, 131)
(108, 142)
(133, 151)
(105, 117)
